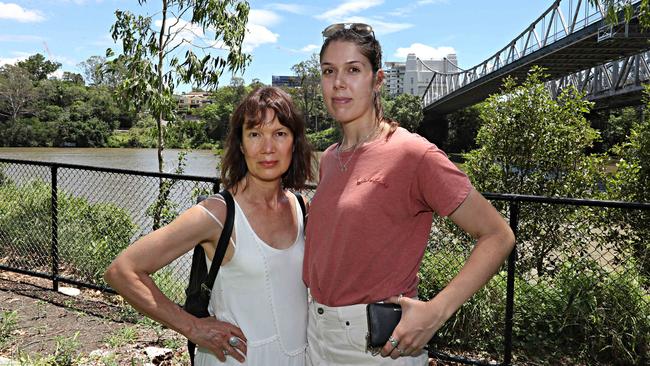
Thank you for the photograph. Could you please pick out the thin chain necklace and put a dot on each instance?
(344, 166)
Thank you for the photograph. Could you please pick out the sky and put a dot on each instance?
(279, 34)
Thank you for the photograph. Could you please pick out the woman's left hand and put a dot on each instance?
(420, 320)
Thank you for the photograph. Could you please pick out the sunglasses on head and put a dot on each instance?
(361, 29)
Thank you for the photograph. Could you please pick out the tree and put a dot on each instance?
(152, 55)
(37, 67)
(631, 183)
(615, 7)
(16, 91)
(72, 77)
(530, 143)
(463, 127)
(407, 110)
(150, 52)
(93, 70)
(308, 95)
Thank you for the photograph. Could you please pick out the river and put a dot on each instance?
(199, 162)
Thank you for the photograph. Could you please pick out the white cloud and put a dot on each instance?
(257, 31)
(412, 6)
(310, 48)
(19, 38)
(424, 52)
(289, 8)
(11, 60)
(379, 27)
(347, 8)
(184, 30)
(425, 2)
(16, 12)
(257, 35)
(265, 18)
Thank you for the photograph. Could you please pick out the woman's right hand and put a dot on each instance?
(213, 335)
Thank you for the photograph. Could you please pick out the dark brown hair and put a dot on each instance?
(370, 48)
(251, 111)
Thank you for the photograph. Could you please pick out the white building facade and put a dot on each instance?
(413, 76)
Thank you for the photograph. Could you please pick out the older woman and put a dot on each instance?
(259, 296)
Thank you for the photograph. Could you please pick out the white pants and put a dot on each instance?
(337, 336)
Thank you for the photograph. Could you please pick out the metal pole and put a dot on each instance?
(55, 230)
(510, 290)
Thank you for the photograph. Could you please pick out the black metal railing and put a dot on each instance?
(576, 260)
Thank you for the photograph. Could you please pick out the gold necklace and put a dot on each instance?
(344, 166)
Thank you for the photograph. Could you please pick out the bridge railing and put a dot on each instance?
(550, 27)
(608, 79)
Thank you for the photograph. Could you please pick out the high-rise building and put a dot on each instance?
(286, 81)
(413, 76)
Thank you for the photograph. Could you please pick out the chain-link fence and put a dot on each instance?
(574, 291)
(68, 222)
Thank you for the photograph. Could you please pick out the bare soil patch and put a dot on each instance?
(95, 327)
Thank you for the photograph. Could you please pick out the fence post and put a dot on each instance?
(510, 291)
(55, 230)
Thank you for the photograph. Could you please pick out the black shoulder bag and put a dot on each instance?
(201, 281)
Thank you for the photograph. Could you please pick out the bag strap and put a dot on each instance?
(301, 201)
(222, 245)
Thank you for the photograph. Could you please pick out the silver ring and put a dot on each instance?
(401, 352)
(394, 342)
(233, 341)
(225, 352)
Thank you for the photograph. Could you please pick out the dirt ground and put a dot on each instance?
(91, 329)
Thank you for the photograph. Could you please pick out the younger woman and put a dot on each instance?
(372, 213)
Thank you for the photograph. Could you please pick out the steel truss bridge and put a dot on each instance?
(608, 62)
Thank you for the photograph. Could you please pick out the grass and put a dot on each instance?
(8, 321)
(122, 336)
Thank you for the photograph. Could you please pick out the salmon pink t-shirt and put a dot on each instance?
(369, 224)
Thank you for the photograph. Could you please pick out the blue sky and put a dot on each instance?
(281, 34)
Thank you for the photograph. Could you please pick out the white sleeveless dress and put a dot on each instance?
(261, 291)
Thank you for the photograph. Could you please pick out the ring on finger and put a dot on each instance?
(225, 352)
(233, 341)
(401, 352)
(393, 341)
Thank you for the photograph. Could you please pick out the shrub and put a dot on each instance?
(89, 236)
(321, 140)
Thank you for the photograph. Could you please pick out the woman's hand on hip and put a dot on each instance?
(420, 320)
(214, 335)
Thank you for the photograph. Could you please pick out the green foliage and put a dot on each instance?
(631, 183)
(463, 127)
(615, 7)
(308, 96)
(57, 112)
(405, 109)
(586, 312)
(122, 337)
(151, 55)
(533, 144)
(16, 92)
(8, 321)
(595, 315)
(321, 140)
(37, 67)
(170, 284)
(186, 134)
(90, 235)
(163, 210)
(28, 132)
